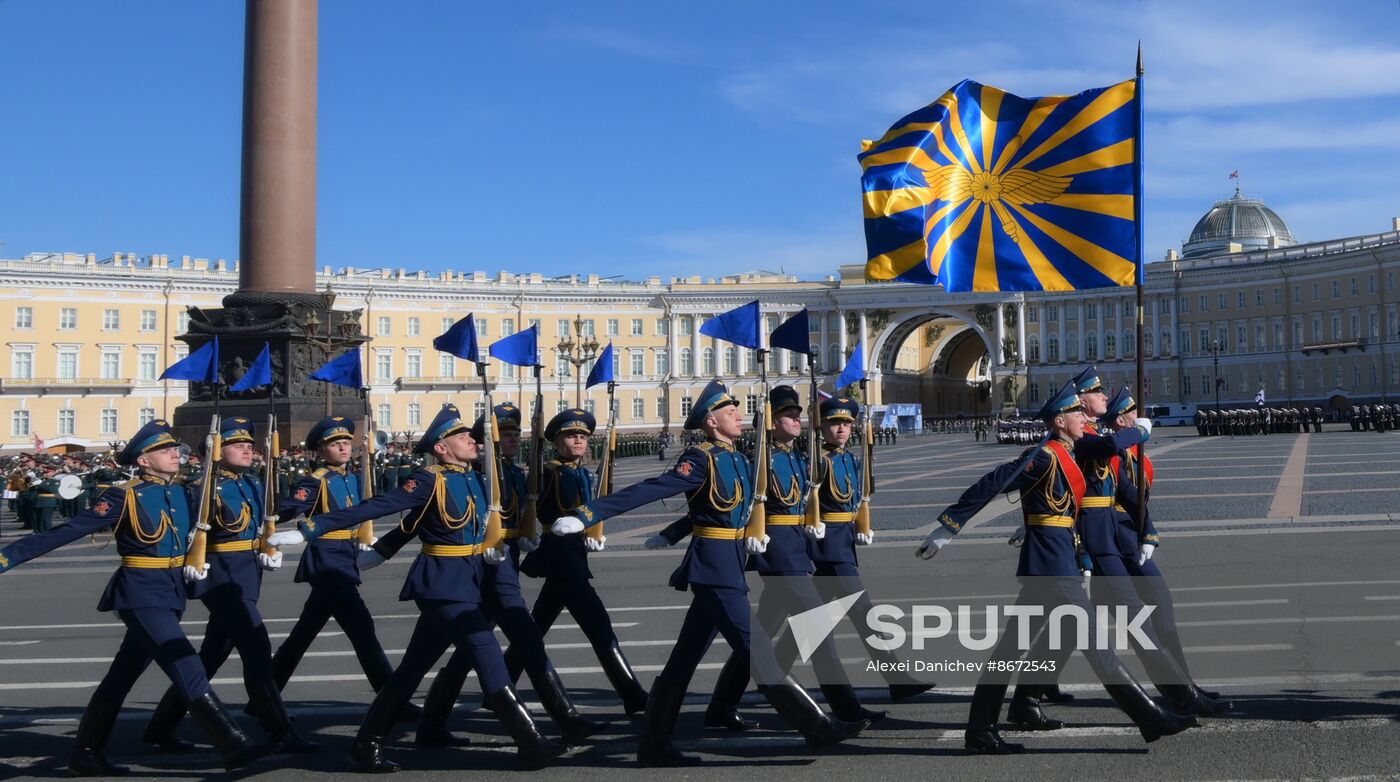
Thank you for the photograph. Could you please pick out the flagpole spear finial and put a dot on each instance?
(1139, 60)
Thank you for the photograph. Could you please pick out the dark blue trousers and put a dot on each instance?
(153, 634)
(235, 623)
(342, 601)
(442, 624)
(584, 604)
(722, 611)
(504, 604)
(835, 580)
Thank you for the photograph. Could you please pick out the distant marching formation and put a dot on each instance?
(480, 520)
(1243, 421)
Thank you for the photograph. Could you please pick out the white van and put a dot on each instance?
(1172, 414)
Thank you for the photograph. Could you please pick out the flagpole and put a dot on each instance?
(1141, 276)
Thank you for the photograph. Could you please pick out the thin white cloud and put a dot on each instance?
(713, 252)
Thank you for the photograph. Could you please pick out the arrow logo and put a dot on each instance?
(811, 627)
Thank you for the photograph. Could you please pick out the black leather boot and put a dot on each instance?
(164, 722)
(232, 743)
(981, 737)
(94, 729)
(899, 692)
(1052, 693)
(663, 708)
(555, 699)
(1025, 712)
(531, 748)
(723, 711)
(624, 680)
(266, 702)
(1153, 721)
(438, 706)
(793, 704)
(1188, 699)
(845, 704)
(368, 749)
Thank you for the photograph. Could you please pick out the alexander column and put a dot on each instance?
(277, 301)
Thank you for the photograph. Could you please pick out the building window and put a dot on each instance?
(661, 408)
(614, 328)
(148, 320)
(1034, 392)
(109, 421)
(588, 330)
(1186, 386)
(1130, 344)
(383, 366)
(22, 364)
(1091, 346)
(481, 328)
(1032, 315)
(111, 364)
(560, 405)
(1221, 303)
(686, 326)
(509, 371)
(414, 326)
(447, 365)
(413, 365)
(637, 363)
(1205, 384)
(1183, 341)
(1183, 305)
(1071, 311)
(68, 318)
(68, 365)
(447, 323)
(1354, 292)
(637, 330)
(663, 327)
(384, 326)
(1297, 294)
(708, 361)
(1317, 292)
(67, 422)
(687, 362)
(1166, 342)
(686, 404)
(1072, 346)
(19, 423)
(384, 418)
(111, 320)
(24, 317)
(1052, 313)
(182, 322)
(1033, 348)
(562, 328)
(1355, 326)
(1110, 346)
(750, 404)
(507, 326)
(1091, 311)
(639, 408)
(415, 415)
(1336, 289)
(663, 363)
(146, 365)
(1204, 303)
(1205, 340)
(1052, 348)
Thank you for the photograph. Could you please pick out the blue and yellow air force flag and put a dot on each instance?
(983, 190)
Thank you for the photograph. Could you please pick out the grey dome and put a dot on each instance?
(1237, 220)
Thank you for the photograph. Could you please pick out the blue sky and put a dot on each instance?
(660, 138)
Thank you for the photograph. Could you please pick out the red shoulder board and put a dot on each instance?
(1073, 474)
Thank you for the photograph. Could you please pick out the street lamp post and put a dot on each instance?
(578, 351)
(1215, 354)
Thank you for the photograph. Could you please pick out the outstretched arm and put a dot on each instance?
(108, 511)
(688, 474)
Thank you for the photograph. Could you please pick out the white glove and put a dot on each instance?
(756, 545)
(368, 546)
(934, 543)
(657, 541)
(368, 560)
(817, 532)
(594, 544)
(1018, 537)
(196, 575)
(495, 555)
(1145, 553)
(1087, 575)
(1145, 424)
(291, 537)
(269, 562)
(567, 525)
(865, 538)
(526, 545)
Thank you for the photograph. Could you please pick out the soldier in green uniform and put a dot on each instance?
(45, 494)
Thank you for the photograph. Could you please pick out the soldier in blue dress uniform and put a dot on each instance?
(152, 522)
(785, 564)
(562, 561)
(1052, 487)
(229, 588)
(447, 511)
(1122, 554)
(716, 480)
(833, 547)
(504, 604)
(329, 562)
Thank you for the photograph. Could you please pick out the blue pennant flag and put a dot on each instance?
(201, 366)
(602, 371)
(259, 373)
(521, 348)
(460, 340)
(740, 325)
(343, 370)
(854, 371)
(793, 334)
(983, 190)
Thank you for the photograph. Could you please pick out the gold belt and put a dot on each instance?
(510, 534)
(838, 518)
(1097, 502)
(154, 563)
(1045, 520)
(718, 533)
(785, 520)
(340, 534)
(235, 546)
(105, 485)
(45, 494)
(442, 550)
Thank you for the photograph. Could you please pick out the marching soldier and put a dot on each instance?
(785, 564)
(833, 548)
(1051, 485)
(152, 521)
(45, 502)
(447, 511)
(229, 587)
(715, 478)
(562, 560)
(329, 562)
(505, 606)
